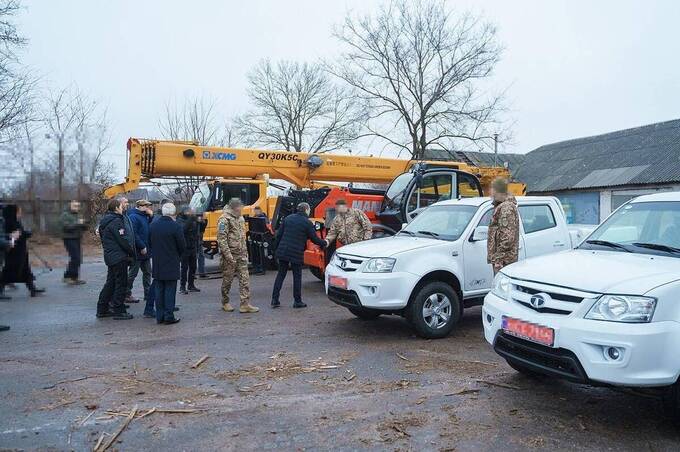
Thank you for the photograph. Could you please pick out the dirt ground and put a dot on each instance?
(312, 379)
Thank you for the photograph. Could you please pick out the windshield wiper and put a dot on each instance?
(658, 247)
(404, 231)
(430, 233)
(609, 244)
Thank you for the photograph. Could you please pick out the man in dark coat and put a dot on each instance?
(17, 268)
(72, 228)
(202, 225)
(140, 217)
(190, 229)
(168, 245)
(291, 238)
(117, 254)
(6, 242)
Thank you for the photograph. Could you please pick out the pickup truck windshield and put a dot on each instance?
(642, 227)
(441, 222)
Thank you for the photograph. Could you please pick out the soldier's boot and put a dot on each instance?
(227, 307)
(248, 309)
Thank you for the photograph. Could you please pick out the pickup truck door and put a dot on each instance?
(478, 273)
(543, 234)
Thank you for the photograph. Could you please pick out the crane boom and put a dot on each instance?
(157, 158)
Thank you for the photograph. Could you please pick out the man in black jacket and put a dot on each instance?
(190, 229)
(118, 252)
(291, 239)
(168, 246)
(72, 228)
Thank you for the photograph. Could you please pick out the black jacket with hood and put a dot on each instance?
(114, 236)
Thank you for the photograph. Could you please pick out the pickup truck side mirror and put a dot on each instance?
(480, 233)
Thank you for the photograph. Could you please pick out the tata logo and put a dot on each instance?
(343, 263)
(219, 155)
(539, 300)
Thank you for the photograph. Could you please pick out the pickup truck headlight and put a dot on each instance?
(501, 286)
(380, 265)
(623, 308)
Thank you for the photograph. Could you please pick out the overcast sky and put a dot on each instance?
(572, 68)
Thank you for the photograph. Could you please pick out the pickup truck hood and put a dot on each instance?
(599, 271)
(387, 246)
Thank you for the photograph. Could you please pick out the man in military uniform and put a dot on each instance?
(349, 225)
(231, 238)
(503, 241)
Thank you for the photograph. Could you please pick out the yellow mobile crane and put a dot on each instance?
(245, 173)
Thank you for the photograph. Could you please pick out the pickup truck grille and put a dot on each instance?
(547, 299)
(347, 262)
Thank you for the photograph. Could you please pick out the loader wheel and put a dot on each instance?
(316, 271)
(434, 310)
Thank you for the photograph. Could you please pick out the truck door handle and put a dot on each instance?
(558, 243)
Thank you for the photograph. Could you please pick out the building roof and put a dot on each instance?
(640, 156)
(514, 161)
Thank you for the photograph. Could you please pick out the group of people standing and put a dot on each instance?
(164, 247)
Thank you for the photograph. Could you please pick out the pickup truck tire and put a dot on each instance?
(316, 271)
(365, 313)
(671, 402)
(434, 310)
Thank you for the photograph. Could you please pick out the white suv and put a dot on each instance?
(606, 312)
(436, 265)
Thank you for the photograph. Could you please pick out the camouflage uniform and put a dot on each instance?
(231, 237)
(503, 242)
(350, 227)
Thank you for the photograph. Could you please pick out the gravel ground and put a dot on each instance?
(314, 379)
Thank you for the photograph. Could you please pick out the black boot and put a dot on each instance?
(299, 304)
(275, 304)
(193, 288)
(183, 290)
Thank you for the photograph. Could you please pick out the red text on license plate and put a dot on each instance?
(337, 281)
(530, 331)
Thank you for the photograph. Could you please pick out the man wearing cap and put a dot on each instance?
(231, 238)
(503, 241)
(140, 218)
(350, 225)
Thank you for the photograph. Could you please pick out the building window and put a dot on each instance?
(581, 207)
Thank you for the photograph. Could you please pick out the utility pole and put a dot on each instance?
(495, 149)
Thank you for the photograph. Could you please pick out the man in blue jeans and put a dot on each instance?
(291, 239)
(140, 217)
(168, 245)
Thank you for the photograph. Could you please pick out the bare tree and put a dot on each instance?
(16, 83)
(298, 108)
(418, 69)
(193, 120)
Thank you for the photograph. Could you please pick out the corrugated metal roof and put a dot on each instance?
(642, 155)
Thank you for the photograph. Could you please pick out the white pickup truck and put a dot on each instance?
(607, 312)
(436, 265)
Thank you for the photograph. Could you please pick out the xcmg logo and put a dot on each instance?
(219, 155)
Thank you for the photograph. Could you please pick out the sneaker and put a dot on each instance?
(122, 316)
(275, 304)
(171, 321)
(227, 307)
(101, 315)
(194, 289)
(248, 309)
(299, 305)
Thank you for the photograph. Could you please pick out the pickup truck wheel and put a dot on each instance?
(524, 370)
(365, 313)
(316, 272)
(435, 310)
(671, 402)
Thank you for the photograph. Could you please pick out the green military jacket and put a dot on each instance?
(231, 235)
